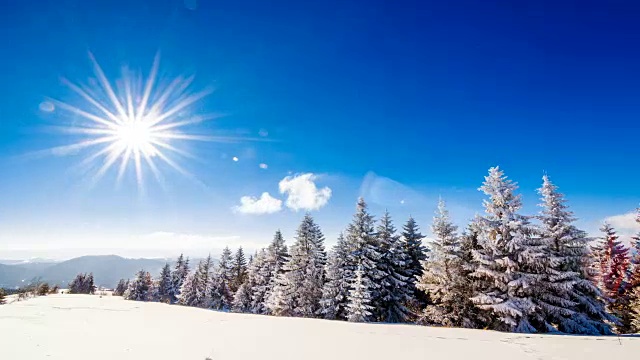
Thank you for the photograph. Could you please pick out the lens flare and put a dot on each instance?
(135, 124)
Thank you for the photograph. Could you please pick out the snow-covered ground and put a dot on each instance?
(74, 327)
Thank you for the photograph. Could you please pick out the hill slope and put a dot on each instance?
(74, 326)
(107, 270)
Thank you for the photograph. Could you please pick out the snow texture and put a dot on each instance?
(107, 328)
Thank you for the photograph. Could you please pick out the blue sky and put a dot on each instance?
(399, 101)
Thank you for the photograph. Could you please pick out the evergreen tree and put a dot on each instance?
(634, 282)
(141, 288)
(358, 308)
(568, 302)
(298, 289)
(443, 277)
(90, 287)
(365, 251)
(507, 260)
(394, 293)
(412, 242)
(165, 285)
(258, 280)
(242, 299)
(272, 269)
(336, 288)
(221, 293)
(120, 288)
(189, 290)
(3, 295)
(239, 270)
(178, 276)
(203, 289)
(612, 259)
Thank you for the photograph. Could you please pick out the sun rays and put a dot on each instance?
(132, 124)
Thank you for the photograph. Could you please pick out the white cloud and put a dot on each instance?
(266, 204)
(624, 224)
(302, 192)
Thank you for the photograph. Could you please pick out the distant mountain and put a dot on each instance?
(107, 270)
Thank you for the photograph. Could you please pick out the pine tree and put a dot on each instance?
(90, 287)
(298, 289)
(189, 290)
(443, 277)
(141, 288)
(242, 299)
(358, 308)
(2, 296)
(120, 288)
(568, 302)
(365, 250)
(239, 270)
(612, 259)
(178, 276)
(506, 261)
(634, 281)
(276, 257)
(412, 242)
(203, 292)
(258, 280)
(336, 288)
(394, 293)
(220, 287)
(165, 285)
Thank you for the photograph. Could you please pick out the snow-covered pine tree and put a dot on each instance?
(443, 277)
(258, 280)
(141, 288)
(203, 272)
(2, 296)
(238, 269)
(221, 295)
(634, 292)
(358, 308)
(613, 261)
(178, 276)
(365, 250)
(412, 242)
(189, 290)
(567, 300)
(90, 286)
(267, 272)
(507, 259)
(394, 294)
(165, 285)
(336, 288)
(242, 299)
(299, 288)
(120, 288)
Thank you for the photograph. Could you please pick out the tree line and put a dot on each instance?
(505, 271)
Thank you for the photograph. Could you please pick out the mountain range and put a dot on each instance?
(106, 269)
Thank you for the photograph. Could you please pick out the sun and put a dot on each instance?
(134, 124)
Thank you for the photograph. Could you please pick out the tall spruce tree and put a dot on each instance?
(178, 276)
(507, 260)
(412, 242)
(612, 259)
(336, 289)
(567, 300)
(358, 308)
(165, 285)
(443, 277)
(238, 269)
(299, 288)
(634, 282)
(189, 290)
(365, 251)
(394, 293)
